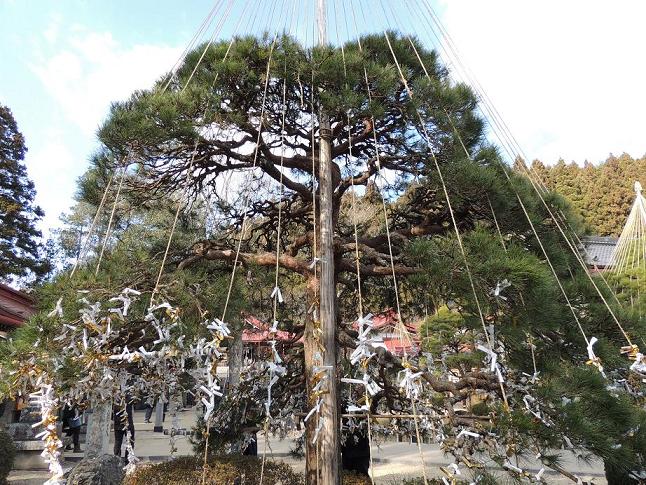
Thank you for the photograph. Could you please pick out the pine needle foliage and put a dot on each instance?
(20, 247)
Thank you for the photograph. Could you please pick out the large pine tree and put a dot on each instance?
(19, 238)
(231, 118)
(200, 142)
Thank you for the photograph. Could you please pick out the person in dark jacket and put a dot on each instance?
(72, 425)
(355, 453)
(123, 424)
(150, 406)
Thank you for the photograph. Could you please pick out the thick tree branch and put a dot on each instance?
(205, 250)
(208, 250)
(459, 390)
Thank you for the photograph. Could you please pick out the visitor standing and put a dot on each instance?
(150, 406)
(21, 403)
(72, 421)
(122, 425)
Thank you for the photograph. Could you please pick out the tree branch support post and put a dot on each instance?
(159, 417)
(98, 429)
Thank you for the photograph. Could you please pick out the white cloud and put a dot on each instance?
(567, 76)
(53, 29)
(54, 169)
(93, 70)
(84, 74)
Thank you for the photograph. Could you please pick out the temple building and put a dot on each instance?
(385, 325)
(597, 251)
(15, 308)
(256, 339)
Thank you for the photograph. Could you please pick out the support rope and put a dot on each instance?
(353, 211)
(401, 328)
(277, 296)
(85, 247)
(242, 229)
(508, 141)
(542, 249)
(203, 26)
(107, 231)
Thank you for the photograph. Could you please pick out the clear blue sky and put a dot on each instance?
(567, 76)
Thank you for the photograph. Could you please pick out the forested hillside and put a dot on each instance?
(601, 193)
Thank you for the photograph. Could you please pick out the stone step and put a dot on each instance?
(28, 455)
(28, 477)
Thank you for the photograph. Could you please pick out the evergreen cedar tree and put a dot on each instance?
(20, 249)
(163, 134)
(602, 194)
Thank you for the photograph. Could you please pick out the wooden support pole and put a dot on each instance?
(329, 434)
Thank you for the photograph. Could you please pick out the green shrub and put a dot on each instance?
(482, 479)
(7, 455)
(223, 470)
(351, 478)
(420, 481)
(480, 409)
